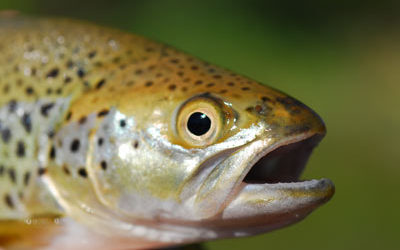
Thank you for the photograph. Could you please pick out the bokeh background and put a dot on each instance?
(342, 58)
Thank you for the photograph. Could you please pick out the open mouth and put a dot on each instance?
(283, 164)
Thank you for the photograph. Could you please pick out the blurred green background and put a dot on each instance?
(341, 58)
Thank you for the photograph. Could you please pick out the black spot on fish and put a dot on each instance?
(67, 79)
(53, 73)
(69, 64)
(100, 83)
(27, 177)
(217, 76)
(6, 135)
(20, 149)
(42, 171)
(29, 90)
(66, 170)
(82, 172)
(11, 174)
(80, 73)
(102, 112)
(12, 106)
(27, 122)
(52, 153)
(92, 54)
(100, 141)
(172, 87)
(82, 120)
(75, 144)
(103, 165)
(8, 200)
(122, 123)
(135, 144)
(50, 134)
(44, 110)
(68, 116)
(265, 99)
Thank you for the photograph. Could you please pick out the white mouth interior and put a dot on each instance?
(284, 164)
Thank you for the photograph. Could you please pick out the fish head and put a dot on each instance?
(208, 148)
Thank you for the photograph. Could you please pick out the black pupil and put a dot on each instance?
(199, 123)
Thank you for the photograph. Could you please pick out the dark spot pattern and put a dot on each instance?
(82, 120)
(92, 54)
(29, 90)
(27, 122)
(52, 153)
(9, 202)
(82, 172)
(11, 174)
(41, 171)
(100, 141)
(75, 145)
(68, 116)
(80, 73)
(66, 170)
(27, 177)
(53, 73)
(100, 83)
(45, 108)
(103, 112)
(265, 99)
(20, 149)
(12, 106)
(122, 123)
(67, 79)
(103, 165)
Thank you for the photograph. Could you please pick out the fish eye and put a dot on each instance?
(200, 121)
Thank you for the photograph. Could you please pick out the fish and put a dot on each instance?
(110, 140)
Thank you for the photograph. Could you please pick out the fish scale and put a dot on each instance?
(29, 127)
(42, 66)
(95, 128)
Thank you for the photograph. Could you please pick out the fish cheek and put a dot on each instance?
(138, 181)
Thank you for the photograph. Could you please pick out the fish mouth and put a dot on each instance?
(269, 194)
(283, 163)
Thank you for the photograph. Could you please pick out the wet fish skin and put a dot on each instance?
(94, 127)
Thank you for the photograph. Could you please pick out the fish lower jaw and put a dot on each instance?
(259, 208)
(269, 194)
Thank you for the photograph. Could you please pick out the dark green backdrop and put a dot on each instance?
(341, 58)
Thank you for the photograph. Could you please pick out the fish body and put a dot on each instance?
(141, 145)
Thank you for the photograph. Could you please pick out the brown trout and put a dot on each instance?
(112, 141)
